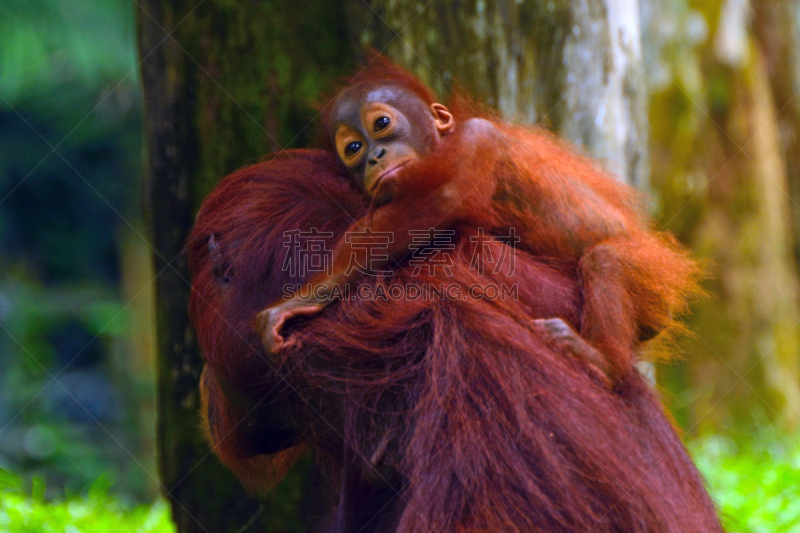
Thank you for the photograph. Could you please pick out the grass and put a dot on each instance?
(95, 511)
(757, 490)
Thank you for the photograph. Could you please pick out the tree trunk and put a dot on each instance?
(776, 26)
(721, 165)
(224, 84)
(228, 82)
(574, 67)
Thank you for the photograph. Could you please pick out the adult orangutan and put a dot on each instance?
(427, 167)
(454, 415)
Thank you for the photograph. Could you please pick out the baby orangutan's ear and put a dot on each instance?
(443, 119)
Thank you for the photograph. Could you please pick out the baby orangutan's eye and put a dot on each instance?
(352, 148)
(382, 123)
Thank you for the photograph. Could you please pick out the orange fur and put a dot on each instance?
(563, 206)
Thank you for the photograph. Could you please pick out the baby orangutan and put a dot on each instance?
(427, 167)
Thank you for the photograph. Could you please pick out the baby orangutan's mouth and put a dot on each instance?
(388, 173)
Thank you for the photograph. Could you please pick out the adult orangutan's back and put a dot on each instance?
(426, 414)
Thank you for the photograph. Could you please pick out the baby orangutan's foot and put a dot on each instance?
(270, 321)
(568, 340)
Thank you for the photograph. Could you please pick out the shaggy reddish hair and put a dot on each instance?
(425, 415)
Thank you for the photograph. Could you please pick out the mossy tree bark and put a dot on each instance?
(574, 67)
(225, 83)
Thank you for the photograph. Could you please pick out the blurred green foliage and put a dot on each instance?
(70, 149)
(70, 134)
(52, 42)
(94, 511)
(757, 489)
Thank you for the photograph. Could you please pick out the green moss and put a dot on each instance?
(255, 74)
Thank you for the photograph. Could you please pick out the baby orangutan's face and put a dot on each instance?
(377, 130)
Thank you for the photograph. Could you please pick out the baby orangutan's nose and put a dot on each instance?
(376, 155)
